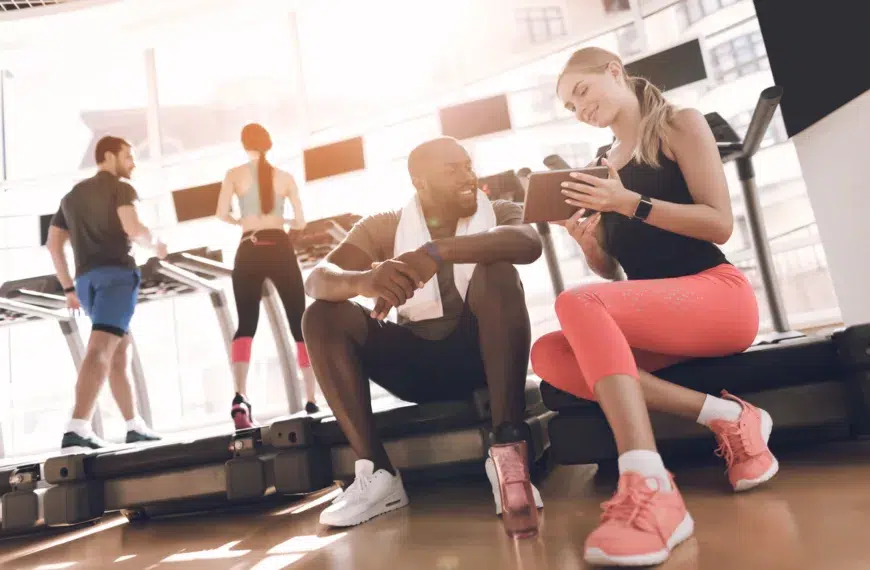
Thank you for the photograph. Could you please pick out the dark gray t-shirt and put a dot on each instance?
(89, 212)
(376, 235)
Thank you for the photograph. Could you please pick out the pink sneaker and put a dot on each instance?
(241, 413)
(743, 445)
(640, 525)
(519, 511)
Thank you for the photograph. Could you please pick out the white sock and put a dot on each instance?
(137, 424)
(647, 463)
(81, 427)
(718, 409)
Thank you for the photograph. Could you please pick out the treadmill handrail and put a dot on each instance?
(556, 162)
(761, 117)
(202, 264)
(33, 310)
(184, 276)
(50, 300)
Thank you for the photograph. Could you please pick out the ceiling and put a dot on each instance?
(14, 5)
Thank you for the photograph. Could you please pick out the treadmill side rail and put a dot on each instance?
(65, 468)
(20, 510)
(300, 471)
(246, 477)
(291, 433)
(74, 503)
(853, 352)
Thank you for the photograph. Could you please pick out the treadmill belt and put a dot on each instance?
(162, 457)
(791, 362)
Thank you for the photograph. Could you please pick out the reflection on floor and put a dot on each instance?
(813, 515)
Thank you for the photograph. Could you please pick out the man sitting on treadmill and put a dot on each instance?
(466, 329)
(98, 216)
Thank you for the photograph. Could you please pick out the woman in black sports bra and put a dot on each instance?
(660, 216)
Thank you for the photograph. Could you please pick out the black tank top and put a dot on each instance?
(645, 251)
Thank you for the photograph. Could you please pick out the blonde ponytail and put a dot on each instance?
(657, 113)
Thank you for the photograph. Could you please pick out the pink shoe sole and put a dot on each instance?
(241, 417)
(519, 512)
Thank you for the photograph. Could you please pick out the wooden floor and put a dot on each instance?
(814, 514)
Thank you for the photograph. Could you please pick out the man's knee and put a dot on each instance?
(324, 321)
(496, 289)
(119, 358)
(497, 280)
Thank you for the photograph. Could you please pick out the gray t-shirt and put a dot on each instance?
(376, 236)
(89, 212)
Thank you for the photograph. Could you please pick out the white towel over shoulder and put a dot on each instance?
(413, 233)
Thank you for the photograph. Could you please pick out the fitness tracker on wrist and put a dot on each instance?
(643, 208)
(70, 289)
(432, 251)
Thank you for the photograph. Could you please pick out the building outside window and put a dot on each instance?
(542, 24)
(739, 57)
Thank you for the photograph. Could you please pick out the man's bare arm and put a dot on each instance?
(349, 272)
(338, 276)
(517, 244)
(57, 239)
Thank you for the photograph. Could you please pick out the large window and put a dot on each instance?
(56, 108)
(211, 84)
(740, 56)
(691, 11)
(541, 24)
(41, 389)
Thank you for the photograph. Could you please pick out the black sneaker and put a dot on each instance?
(72, 441)
(311, 408)
(134, 436)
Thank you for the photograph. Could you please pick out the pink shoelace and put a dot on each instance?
(733, 442)
(632, 505)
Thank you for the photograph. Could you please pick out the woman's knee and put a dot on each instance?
(554, 362)
(544, 354)
(578, 301)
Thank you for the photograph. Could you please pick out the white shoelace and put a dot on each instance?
(354, 490)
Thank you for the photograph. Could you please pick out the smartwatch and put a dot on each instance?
(643, 209)
(70, 289)
(432, 251)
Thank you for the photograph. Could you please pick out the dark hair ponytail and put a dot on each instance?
(266, 184)
(256, 138)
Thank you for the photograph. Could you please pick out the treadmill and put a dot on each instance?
(210, 266)
(46, 292)
(21, 486)
(165, 476)
(816, 388)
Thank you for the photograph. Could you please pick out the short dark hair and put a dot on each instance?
(109, 144)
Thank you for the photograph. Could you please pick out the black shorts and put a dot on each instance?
(418, 370)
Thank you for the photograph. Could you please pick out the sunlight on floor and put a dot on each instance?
(66, 539)
(219, 553)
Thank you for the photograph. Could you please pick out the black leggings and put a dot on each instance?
(265, 254)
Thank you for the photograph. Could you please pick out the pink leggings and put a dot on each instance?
(616, 327)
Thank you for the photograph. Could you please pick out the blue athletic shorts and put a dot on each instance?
(108, 296)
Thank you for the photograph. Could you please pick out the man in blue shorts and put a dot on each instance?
(99, 218)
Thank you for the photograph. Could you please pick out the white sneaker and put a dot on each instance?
(371, 494)
(493, 480)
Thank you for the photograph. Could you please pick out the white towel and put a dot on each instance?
(413, 232)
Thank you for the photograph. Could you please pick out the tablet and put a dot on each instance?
(544, 199)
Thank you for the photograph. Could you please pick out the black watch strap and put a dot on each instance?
(643, 208)
(70, 289)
